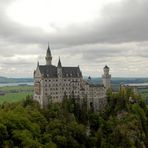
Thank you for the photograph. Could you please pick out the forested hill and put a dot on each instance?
(119, 80)
(115, 80)
(15, 80)
(122, 124)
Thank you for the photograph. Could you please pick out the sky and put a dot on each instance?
(88, 33)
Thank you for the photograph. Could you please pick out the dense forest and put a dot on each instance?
(123, 123)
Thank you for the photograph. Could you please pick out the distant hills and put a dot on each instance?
(119, 80)
(115, 80)
(15, 80)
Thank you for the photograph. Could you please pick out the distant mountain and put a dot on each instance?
(119, 80)
(96, 80)
(116, 81)
(15, 80)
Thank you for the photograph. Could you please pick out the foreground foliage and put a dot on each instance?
(123, 123)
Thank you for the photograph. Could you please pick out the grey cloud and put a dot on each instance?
(123, 22)
(120, 36)
(128, 22)
(95, 51)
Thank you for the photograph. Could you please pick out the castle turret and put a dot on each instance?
(59, 73)
(106, 78)
(59, 68)
(59, 63)
(48, 57)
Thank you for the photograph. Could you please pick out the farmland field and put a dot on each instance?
(16, 88)
(15, 93)
(18, 93)
(13, 97)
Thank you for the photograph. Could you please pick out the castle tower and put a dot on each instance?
(106, 78)
(48, 57)
(59, 73)
(59, 69)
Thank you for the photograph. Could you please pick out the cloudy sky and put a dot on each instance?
(89, 33)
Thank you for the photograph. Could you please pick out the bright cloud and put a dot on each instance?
(89, 33)
(48, 14)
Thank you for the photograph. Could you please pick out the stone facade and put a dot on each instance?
(52, 83)
(106, 77)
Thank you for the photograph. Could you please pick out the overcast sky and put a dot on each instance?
(89, 33)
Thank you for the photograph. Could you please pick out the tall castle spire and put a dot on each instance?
(48, 56)
(59, 63)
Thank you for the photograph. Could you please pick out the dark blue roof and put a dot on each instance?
(51, 71)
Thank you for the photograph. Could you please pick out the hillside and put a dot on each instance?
(15, 80)
(115, 80)
(122, 124)
(119, 80)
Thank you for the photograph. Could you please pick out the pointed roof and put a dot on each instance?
(48, 50)
(67, 72)
(89, 78)
(106, 67)
(38, 63)
(59, 63)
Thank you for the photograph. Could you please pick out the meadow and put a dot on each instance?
(19, 93)
(15, 93)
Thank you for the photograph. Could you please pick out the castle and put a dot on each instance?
(52, 83)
